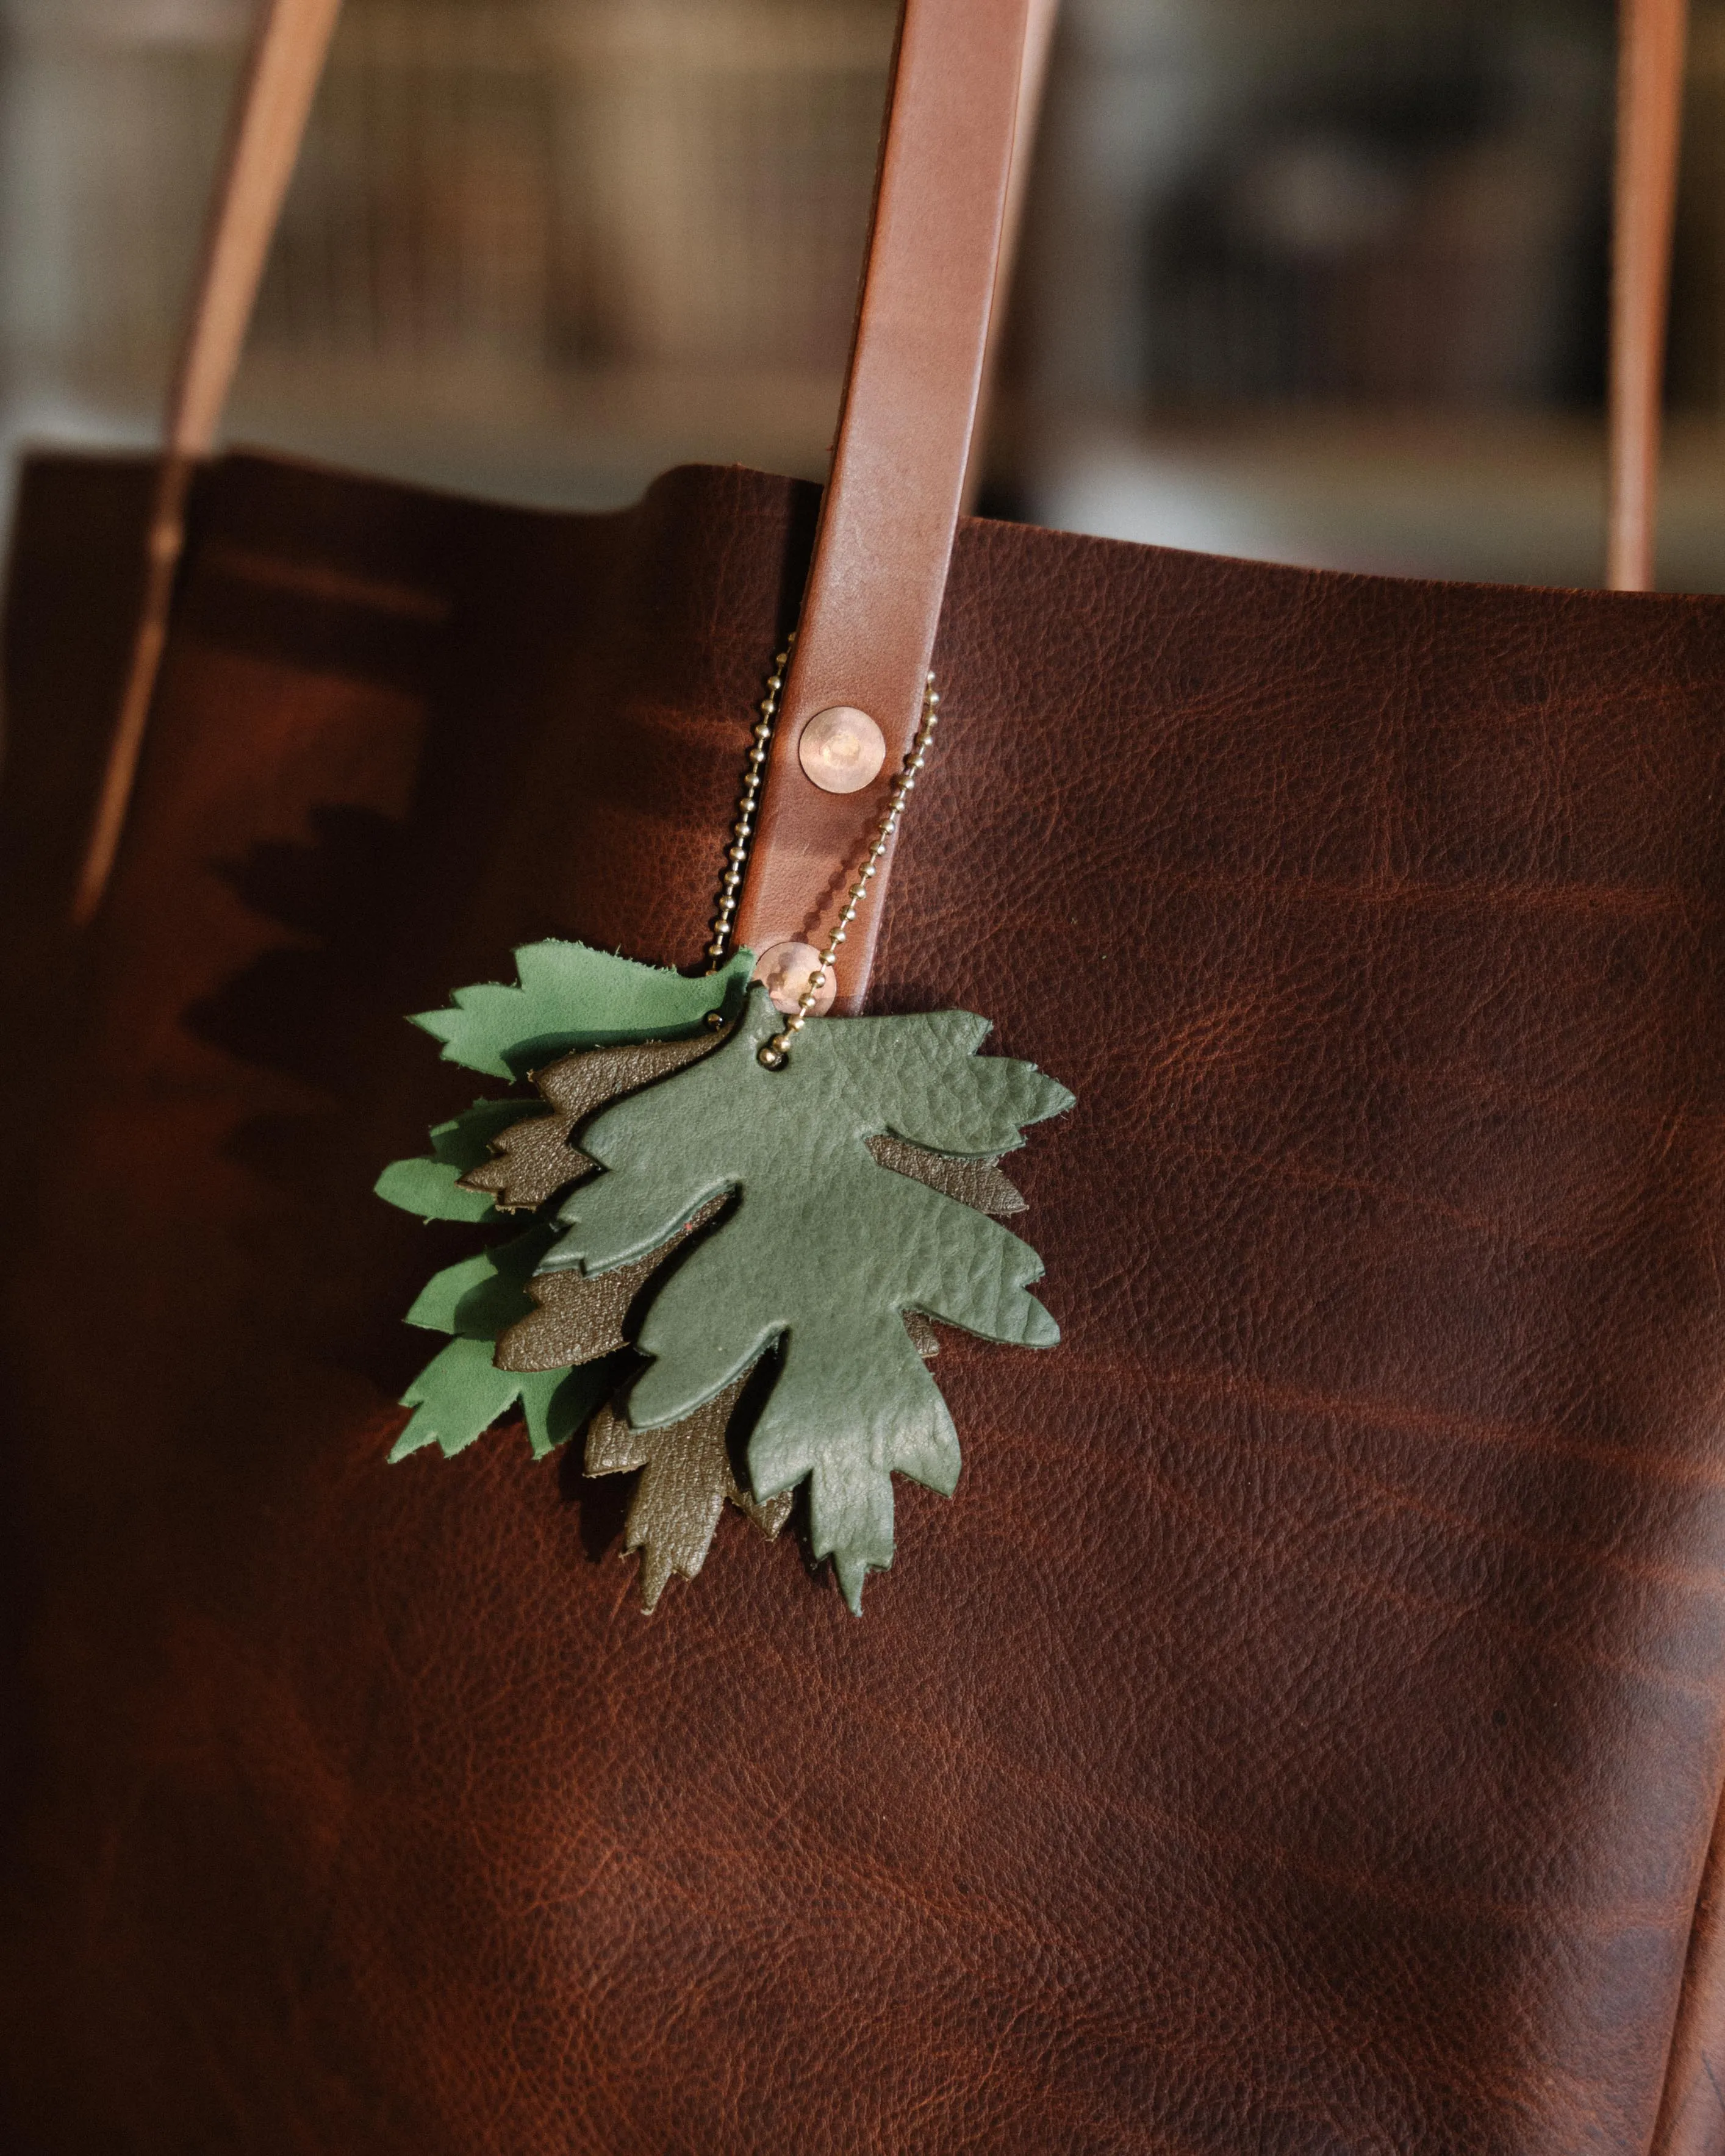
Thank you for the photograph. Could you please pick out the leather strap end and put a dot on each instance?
(873, 601)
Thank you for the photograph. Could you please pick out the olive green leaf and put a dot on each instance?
(824, 1253)
(529, 1162)
(686, 1483)
(460, 1394)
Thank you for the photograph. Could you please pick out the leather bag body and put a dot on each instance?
(1303, 1730)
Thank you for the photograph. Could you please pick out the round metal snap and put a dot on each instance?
(785, 969)
(841, 750)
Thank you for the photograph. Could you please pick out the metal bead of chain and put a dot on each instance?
(777, 1051)
(743, 828)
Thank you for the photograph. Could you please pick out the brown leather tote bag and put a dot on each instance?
(1301, 1732)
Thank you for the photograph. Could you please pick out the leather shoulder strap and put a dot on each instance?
(1649, 105)
(288, 48)
(274, 104)
(1042, 17)
(867, 630)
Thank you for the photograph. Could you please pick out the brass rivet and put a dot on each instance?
(785, 969)
(841, 750)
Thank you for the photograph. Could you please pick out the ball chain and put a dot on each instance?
(743, 828)
(775, 1053)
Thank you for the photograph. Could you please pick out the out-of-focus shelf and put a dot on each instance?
(588, 439)
(1510, 498)
(1517, 498)
(584, 439)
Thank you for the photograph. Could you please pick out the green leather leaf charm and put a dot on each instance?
(821, 1215)
(824, 1253)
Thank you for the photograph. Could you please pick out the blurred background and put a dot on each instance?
(1319, 281)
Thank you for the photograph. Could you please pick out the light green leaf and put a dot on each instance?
(483, 1296)
(460, 1394)
(456, 1398)
(430, 1188)
(572, 996)
(824, 1251)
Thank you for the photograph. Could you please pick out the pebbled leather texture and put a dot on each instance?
(1301, 1731)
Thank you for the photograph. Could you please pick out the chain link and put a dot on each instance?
(777, 1051)
(743, 828)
